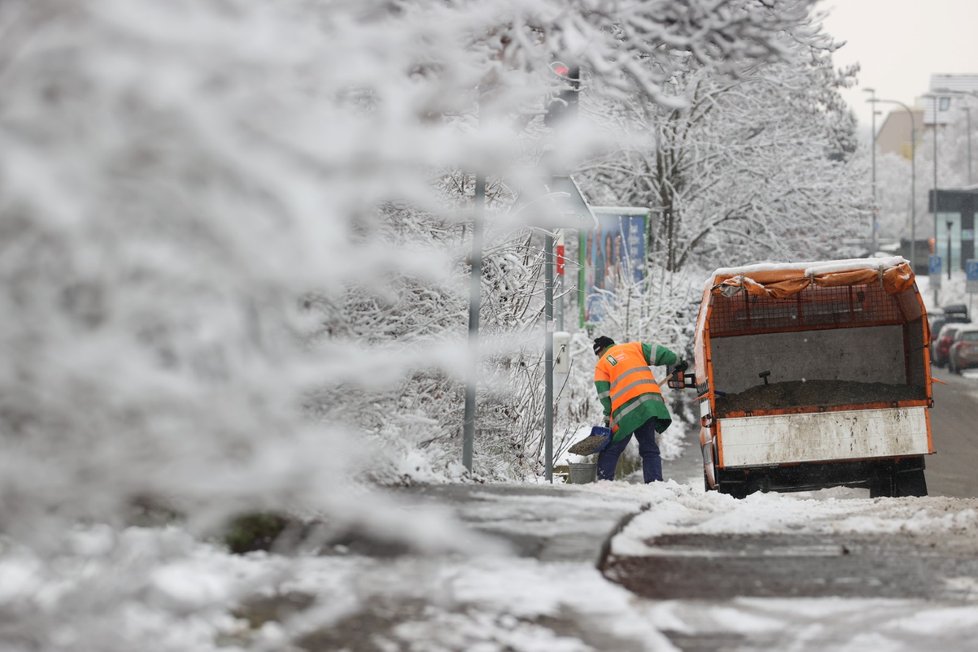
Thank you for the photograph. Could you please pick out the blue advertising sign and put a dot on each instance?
(934, 270)
(971, 274)
(613, 258)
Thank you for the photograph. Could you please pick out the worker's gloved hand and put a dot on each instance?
(682, 365)
(607, 422)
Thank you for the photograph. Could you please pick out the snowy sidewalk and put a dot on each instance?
(546, 522)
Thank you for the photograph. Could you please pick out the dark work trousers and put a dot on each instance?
(647, 449)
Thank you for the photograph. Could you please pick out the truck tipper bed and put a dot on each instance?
(813, 375)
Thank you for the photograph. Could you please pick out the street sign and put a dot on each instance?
(971, 274)
(567, 207)
(934, 270)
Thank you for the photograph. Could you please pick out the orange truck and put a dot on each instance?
(813, 375)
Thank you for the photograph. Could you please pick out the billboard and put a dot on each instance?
(612, 257)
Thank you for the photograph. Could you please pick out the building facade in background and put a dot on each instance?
(938, 107)
(955, 223)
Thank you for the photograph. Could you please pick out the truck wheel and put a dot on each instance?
(910, 483)
(732, 483)
(736, 490)
(881, 487)
(707, 471)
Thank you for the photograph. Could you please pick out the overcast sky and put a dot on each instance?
(900, 43)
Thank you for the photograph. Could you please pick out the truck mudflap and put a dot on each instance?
(823, 436)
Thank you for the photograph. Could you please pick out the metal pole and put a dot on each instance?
(475, 300)
(949, 224)
(913, 173)
(967, 113)
(872, 235)
(913, 188)
(548, 358)
(935, 191)
(935, 170)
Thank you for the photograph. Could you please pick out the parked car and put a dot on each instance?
(941, 347)
(958, 309)
(934, 316)
(964, 350)
(955, 313)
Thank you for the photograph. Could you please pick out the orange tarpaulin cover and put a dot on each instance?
(784, 283)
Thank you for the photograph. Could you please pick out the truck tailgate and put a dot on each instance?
(823, 436)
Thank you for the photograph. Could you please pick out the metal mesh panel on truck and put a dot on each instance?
(813, 308)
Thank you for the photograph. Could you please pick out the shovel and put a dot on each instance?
(596, 442)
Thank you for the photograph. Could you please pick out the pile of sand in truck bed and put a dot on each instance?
(799, 393)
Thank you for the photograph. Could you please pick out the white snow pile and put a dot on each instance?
(814, 624)
(686, 509)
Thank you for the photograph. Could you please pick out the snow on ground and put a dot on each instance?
(679, 508)
(187, 595)
(671, 444)
(818, 624)
(184, 594)
(946, 526)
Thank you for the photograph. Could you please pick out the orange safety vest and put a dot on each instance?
(624, 366)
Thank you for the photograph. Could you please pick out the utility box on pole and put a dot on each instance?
(562, 352)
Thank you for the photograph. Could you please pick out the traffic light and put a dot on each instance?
(565, 103)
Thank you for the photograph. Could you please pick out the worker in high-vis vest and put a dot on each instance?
(632, 401)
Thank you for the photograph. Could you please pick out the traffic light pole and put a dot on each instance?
(565, 104)
(548, 357)
(475, 300)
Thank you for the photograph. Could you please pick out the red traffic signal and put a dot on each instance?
(565, 103)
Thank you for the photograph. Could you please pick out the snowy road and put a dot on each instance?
(820, 570)
(952, 471)
(829, 570)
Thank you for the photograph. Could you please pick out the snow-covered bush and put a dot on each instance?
(231, 269)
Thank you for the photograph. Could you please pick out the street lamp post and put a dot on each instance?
(949, 225)
(913, 171)
(935, 97)
(872, 233)
(967, 113)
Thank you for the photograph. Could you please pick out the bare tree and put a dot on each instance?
(756, 166)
